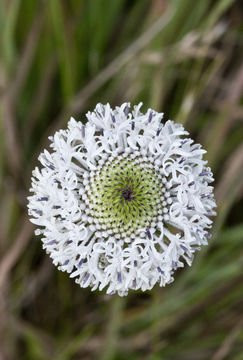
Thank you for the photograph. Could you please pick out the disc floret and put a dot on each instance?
(125, 195)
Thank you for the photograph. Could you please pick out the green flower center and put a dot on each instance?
(125, 195)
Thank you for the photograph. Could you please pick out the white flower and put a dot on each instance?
(122, 201)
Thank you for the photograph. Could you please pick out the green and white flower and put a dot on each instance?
(122, 201)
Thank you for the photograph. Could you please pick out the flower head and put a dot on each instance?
(122, 201)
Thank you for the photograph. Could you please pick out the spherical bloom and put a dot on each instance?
(122, 201)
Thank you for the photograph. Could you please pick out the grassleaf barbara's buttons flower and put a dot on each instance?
(122, 201)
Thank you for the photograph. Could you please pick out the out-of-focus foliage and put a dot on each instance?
(57, 58)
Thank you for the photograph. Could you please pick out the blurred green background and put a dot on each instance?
(59, 58)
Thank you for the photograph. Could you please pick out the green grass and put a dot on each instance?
(59, 58)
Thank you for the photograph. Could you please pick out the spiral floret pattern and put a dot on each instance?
(122, 201)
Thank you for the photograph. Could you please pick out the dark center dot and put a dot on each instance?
(128, 195)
